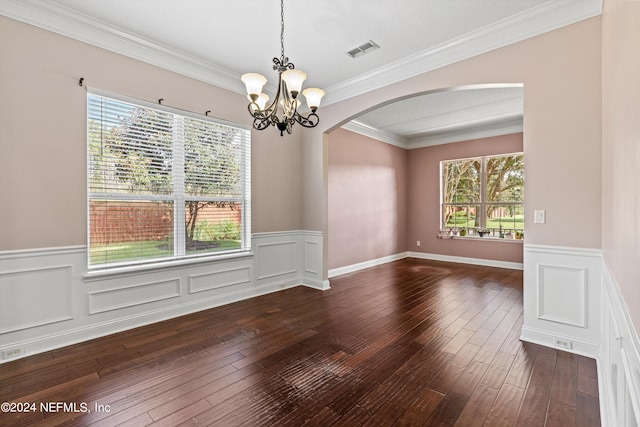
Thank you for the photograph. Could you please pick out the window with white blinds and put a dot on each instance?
(163, 184)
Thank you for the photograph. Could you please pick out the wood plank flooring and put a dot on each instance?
(412, 342)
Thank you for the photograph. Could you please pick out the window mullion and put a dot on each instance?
(180, 217)
(246, 190)
(483, 193)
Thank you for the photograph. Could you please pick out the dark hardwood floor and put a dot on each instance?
(412, 342)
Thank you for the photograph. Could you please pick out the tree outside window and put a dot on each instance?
(484, 194)
(163, 185)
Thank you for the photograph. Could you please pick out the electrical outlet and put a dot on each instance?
(418, 243)
(562, 343)
(14, 352)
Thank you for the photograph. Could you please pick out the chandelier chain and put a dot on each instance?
(282, 29)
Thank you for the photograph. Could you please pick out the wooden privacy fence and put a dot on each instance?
(123, 221)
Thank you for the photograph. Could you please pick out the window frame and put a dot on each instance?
(482, 203)
(178, 197)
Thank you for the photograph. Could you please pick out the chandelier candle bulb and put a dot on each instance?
(294, 80)
(262, 100)
(313, 96)
(254, 83)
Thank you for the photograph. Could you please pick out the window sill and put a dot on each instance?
(152, 267)
(477, 238)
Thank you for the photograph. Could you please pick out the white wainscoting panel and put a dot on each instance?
(219, 279)
(311, 250)
(130, 296)
(35, 297)
(561, 296)
(47, 299)
(278, 258)
(619, 364)
(311, 268)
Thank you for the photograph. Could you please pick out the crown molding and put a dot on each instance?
(377, 134)
(551, 15)
(70, 23)
(548, 16)
(467, 134)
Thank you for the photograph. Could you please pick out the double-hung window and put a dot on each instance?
(163, 184)
(483, 194)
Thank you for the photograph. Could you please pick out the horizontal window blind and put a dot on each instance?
(163, 185)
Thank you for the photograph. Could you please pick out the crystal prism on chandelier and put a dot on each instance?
(282, 112)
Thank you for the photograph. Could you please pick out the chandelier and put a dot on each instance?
(282, 112)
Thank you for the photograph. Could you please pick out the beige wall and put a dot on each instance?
(424, 200)
(367, 199)
(43, 135)
(621, 147)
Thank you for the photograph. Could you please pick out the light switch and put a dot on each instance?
(539, 216)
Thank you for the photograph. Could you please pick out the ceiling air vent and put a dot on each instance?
(362, 49)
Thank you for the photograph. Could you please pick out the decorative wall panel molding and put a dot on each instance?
(277, 258)
(35, 297)
(130, 296)
(311, 250)
(562, 295)
(219, 279)
(311, 266)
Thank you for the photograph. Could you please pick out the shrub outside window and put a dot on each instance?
(484, 195)
(163, 184)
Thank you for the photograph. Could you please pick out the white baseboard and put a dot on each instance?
(366, 264)
(466, 260)
(547, 339)
(421, 255)
(321, 285)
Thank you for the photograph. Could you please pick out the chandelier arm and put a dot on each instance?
(310, 121)
(261, 124)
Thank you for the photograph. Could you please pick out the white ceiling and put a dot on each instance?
(445, 116)
(218, 40)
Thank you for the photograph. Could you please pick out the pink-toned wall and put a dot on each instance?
(382, 199)
(424, 200)
(621, 148)
(43, 135)
(367, 199)
(561, 73)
